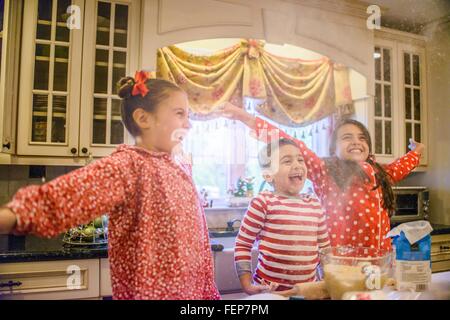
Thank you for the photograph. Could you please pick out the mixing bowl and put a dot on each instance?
(349, 269)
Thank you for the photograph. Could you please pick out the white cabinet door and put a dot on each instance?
(111, 50)
(54, 280)
(399, 110)
(9, 66)
(412, 89)
(50, 76)
(385, 113)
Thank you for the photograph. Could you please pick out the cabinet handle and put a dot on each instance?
(73, 150)
(84, 150)
(444, 248)
(7, 145)
(10, 284)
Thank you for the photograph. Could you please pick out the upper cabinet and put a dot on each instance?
(79, 50)
(399, 109)
(10, 23)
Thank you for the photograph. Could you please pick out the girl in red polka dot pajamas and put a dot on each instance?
(158, 239)
(354, 189)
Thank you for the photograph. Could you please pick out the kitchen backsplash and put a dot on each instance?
(12, 177)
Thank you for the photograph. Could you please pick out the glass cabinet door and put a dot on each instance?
(112, 48)
(48, 106)
(412, 93)
(383, 113)
(51, 66)
(110, 66)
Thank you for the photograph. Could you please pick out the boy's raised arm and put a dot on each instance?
(266, 132)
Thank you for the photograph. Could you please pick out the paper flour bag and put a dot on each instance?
(412, 243)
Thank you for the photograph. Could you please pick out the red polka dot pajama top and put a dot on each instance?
(355, 216)
(158, 238)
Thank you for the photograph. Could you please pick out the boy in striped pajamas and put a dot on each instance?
(289, 227)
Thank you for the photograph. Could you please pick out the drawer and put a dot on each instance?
(71, 279)
(440, 266)
(440, 244)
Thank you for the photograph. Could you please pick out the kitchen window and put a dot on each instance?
(223, 150)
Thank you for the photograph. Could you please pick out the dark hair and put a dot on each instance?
(265, 155)
(343, 171)
(158, 91)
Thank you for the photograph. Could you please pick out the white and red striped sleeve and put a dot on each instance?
(251, 225)
(323, 239)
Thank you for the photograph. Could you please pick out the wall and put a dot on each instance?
(437, 177)
(14, 177)
(335, 29)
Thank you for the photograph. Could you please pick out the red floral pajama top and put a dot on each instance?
(355, 216)
(158, 238)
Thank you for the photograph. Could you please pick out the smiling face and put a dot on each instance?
(169, 124)
(352, 143)
(292, 172)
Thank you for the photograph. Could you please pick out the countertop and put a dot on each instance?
(30, 248)
(439, 290)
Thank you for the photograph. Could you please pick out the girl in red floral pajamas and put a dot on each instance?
(355, 191)
(158, 239)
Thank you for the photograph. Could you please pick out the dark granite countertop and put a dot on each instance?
(30, 248)
(440, 229)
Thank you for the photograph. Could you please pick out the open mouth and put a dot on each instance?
(179, 135)
(296, 178)
(356, 150)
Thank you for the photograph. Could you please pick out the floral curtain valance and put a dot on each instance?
(292, 92)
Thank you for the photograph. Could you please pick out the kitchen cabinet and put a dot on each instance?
(440, 253)
(68, 106)
(10, 24)
(105, 279)
(399, 109)
(74, 279)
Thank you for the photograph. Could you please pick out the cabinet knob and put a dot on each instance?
(7, 145)
(73, 150)
(84, 150)
(10, 284)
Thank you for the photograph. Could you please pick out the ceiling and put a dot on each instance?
(411, 15)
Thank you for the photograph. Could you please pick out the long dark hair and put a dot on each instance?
(343, 171)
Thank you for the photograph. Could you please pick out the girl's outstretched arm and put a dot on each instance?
(266, 132)
(8, 220)
(403, 166)
(73, 199)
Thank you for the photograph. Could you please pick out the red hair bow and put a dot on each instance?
(139, 84)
